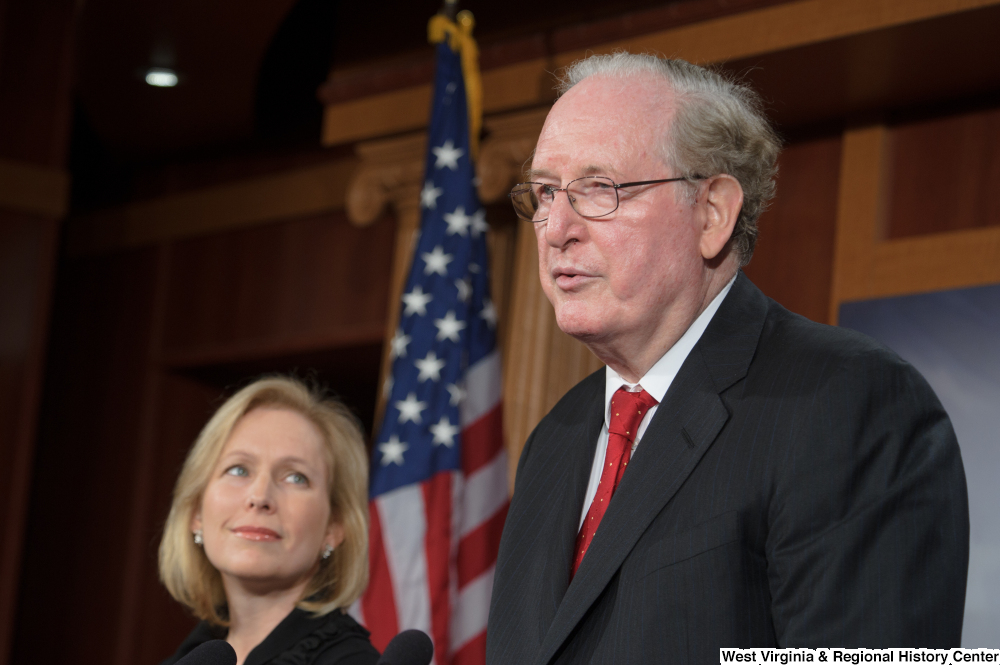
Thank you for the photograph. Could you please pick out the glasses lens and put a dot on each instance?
(525, 201)
(594, 196)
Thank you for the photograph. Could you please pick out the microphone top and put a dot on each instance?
(410, 647)
(213, 652)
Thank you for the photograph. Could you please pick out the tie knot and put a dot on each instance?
(628, 410)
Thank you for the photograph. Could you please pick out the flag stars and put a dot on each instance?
(464, 287)
(416, 301)
(447, 155)
(444, 432)
(430, 367)
(392, 451)
(489, 313)
(449, 327)
(429, 195)
(436, 261)
(410, 409)
(458, 222)
(457, 394)
(398, 345)
(478, 223)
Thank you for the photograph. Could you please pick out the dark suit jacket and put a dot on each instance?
(799, 485)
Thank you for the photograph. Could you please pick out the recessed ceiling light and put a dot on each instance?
(161, 77)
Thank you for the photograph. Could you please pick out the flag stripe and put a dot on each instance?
(482, 387)
(439, 471)
(482, 441)
(472, 608)
(378, 599)
(485, 493)
(404, 526)
(478, 550)
(473, 652)
(437, 500)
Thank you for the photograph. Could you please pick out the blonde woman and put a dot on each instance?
(267, 537)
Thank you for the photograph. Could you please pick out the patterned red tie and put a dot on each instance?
(627, 411)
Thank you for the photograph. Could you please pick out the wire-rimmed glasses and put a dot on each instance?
(591, 196)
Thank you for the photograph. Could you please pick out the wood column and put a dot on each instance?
(541, 363)
(35, 70)
(391, 175)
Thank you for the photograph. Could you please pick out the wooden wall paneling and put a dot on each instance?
(866, 265)
(793, 260)
(860, 212)
(296, 193)
(280, 289)
(36, 63)
(36, 68)
(77, 543)
(27, 265)
(947, 174)
(135, 529)
(183, 407)
(33, 189)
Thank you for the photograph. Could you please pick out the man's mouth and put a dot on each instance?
(567, 280)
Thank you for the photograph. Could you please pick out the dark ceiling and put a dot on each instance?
(249, 73)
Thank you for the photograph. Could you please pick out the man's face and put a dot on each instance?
(619, 279)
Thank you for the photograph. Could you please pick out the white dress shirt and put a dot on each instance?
(655, 382)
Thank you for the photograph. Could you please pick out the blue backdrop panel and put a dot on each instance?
(953, 339)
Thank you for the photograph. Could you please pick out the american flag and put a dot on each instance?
(439, 471)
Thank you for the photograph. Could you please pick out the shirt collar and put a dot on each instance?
(659, 377)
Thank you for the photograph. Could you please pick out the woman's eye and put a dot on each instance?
(237, 470)
(297, 478)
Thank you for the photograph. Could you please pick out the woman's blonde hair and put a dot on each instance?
(185, 570)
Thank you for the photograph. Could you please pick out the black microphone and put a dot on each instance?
(410, 647)
(213, 652)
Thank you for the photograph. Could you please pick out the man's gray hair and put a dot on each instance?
(719, 127)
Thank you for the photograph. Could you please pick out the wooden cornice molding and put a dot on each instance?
(510, 141)
(34, 189)
(530, 83)
(391, 171)
(295, 193)
(779, 28)
(515, 86)
(867, 265)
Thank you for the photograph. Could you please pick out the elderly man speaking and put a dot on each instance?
(737, 476)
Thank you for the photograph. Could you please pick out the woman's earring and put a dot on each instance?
(198, 540)
(327, 551)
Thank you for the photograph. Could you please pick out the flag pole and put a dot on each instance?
(449, 9)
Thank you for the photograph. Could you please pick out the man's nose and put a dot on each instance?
(564, 223)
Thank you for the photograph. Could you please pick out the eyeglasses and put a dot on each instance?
(593, 196)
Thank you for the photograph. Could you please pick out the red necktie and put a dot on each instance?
(627, 411)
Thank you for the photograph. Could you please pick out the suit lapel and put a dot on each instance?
(578, 446)
(536, 550)
(685, 425)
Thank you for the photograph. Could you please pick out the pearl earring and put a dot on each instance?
(198, 540)
(327, 551)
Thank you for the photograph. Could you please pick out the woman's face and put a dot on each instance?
(265, 513)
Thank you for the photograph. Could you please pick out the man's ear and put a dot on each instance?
(722, 199)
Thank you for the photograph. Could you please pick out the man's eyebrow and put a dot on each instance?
(534, 173)
(589, 170)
